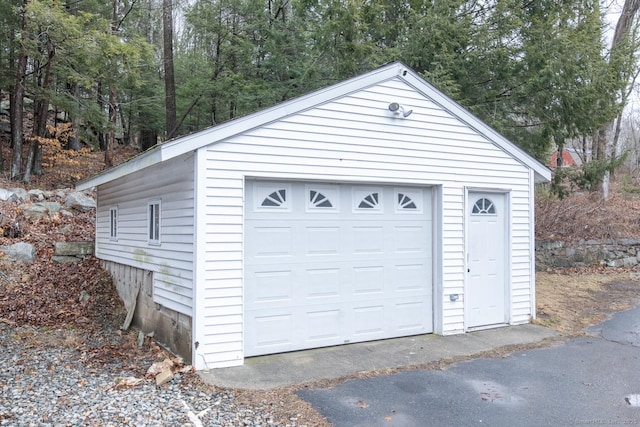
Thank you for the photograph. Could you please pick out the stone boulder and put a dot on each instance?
(8, 196)
(22, 194)
(74, 248)
(20, 252)
(37, 195)
(66, 252)
(41, 209)
(80, 202)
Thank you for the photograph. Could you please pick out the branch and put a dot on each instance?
(128, 12)
(184, 116)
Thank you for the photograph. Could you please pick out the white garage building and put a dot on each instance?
(371, 209)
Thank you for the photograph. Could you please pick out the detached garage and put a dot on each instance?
(374, 208)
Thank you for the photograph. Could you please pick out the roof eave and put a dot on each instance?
(279, 111)
(137, 163)
(228, 129)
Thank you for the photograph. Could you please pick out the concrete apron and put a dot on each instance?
(286, 369)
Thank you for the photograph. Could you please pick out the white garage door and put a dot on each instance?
(329, 264)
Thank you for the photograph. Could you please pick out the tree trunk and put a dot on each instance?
(126, 128)
(17, 98)
(148, 139)
(113, 93)
(74, 141)
(623, 28)
(40, 115)
(99, 131)
(31, 156)
(559, 158)
(108, 152)
(169, 77)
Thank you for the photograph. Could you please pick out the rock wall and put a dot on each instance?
(583, 253)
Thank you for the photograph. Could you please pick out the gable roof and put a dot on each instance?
(569, 158)
(395, 70)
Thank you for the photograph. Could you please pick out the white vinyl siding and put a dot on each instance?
(355, 139)
(522, 256)
(170, 258)
(344, 134)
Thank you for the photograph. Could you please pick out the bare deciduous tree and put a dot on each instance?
(606, 139)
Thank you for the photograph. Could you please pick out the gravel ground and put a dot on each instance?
(60, 378)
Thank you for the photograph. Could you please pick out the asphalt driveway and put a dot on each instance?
(591, 380)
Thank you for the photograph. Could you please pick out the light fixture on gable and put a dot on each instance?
(398, 109)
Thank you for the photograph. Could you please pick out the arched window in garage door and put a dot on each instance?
(277, 198)
(371, 201)
(484, 206)
(271, 197)
(323, 198)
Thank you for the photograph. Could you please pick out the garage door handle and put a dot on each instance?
(468, 270)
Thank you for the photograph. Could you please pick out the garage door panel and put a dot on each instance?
(409, 239)
(412, 278)
(368, 239)
(368, 322)
(272, 286)
(273, 330)
(409, 316)
(323, 240)
(342, 270)
(322, 283)
(270, 241)
(323, 325)
(368, 279)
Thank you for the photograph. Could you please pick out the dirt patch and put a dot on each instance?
(570, 300)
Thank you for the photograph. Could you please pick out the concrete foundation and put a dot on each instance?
(170, 328)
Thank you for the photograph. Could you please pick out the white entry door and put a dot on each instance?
(329, 264)
(486, 292)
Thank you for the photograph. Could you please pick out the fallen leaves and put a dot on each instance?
(584, 215)
(162, 372)
(173, 364)
(127, 382)
(45, 296)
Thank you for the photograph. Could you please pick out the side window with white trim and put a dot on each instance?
(153, 222)
(113, 223)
